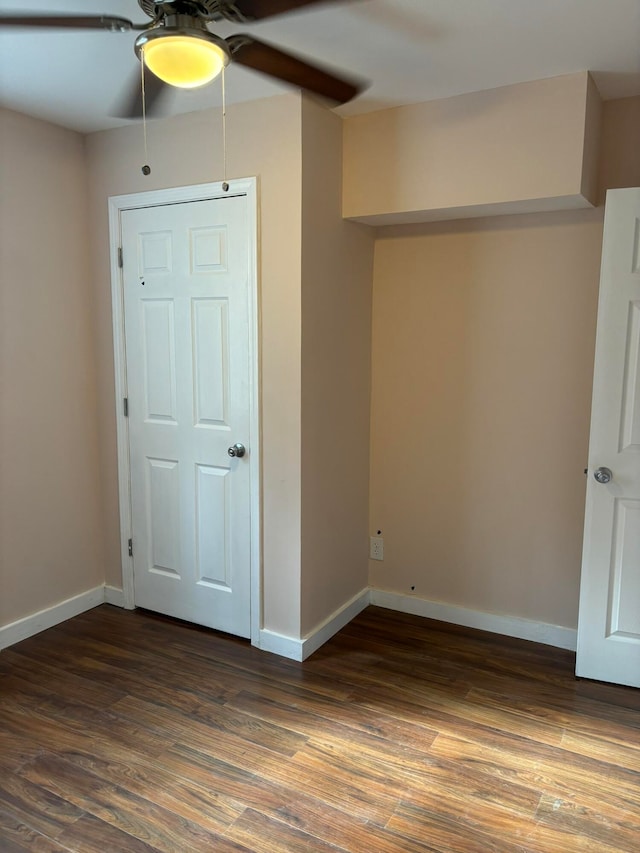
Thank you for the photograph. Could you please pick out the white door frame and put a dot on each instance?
(175, 195)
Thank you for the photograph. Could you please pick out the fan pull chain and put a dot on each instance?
(225, 185)
(146, 169)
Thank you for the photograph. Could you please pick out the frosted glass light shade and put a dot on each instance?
(183, 60)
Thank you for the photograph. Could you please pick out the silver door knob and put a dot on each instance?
(603, 475)
(237, 450)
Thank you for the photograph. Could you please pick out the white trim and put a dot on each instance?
(113, 595)
(280, 644)
(21, 629)
(300, 649)
(255, 385)
(295, 649)
(175, 195)
(122, 426)
(336, 622)
(510, 626)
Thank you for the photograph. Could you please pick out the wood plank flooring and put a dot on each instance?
(130, 732)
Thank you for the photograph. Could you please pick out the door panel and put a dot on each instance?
(624, 605)
(211, 361)
(163, 515)
(609, 620)
(158, 334)
(186, 306)
(212, 524)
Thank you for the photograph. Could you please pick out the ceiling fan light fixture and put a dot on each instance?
(183, 58)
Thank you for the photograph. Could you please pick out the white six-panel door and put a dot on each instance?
(186, 313)
(609, 620)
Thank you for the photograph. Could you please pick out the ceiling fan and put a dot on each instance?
(180, 49)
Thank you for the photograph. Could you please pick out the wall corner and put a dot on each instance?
(591, 143)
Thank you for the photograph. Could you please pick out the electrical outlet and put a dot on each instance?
(376, 548)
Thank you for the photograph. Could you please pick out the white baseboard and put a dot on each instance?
(510, 626)
(341, 617)
(113, 595)
(300, 649)
(280, 644)
(19, 630)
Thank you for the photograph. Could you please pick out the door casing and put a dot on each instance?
(177, 195)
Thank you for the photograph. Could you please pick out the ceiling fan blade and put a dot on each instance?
(291, 69)
(154, 91)
(68, 22)
(254, 10)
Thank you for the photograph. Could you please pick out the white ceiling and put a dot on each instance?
(409, 50)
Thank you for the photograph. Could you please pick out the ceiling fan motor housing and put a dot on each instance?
(210, 10)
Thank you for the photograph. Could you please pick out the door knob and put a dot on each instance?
(237, 450)
(603, 475)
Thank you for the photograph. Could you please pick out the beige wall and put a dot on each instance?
(50, 525)
(620, 160)
(483, 341)
(517, 148)
(337, 262)
(592, 143)
(482, 360)
(263, 141)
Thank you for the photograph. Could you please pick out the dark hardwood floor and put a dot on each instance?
(126, 731)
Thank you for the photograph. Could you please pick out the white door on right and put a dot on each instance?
(609, 618)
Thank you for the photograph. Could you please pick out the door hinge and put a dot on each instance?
(130, 545)
(120, 259)
(125, 407)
